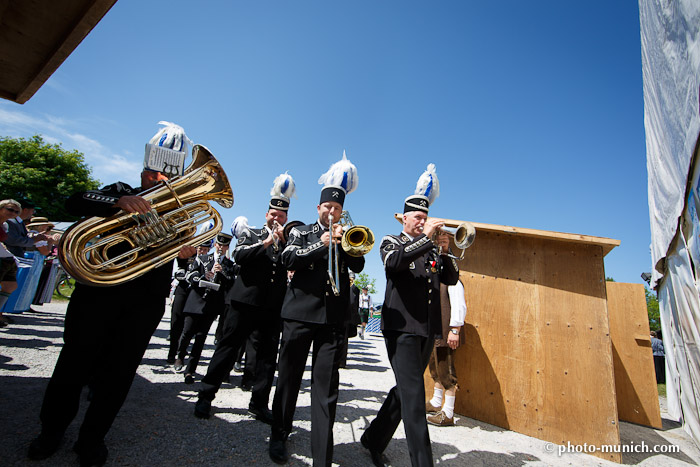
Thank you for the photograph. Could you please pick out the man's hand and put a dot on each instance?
(186, 251)
(133, 204)
(431, 225)
(453, 340)
(443, 241)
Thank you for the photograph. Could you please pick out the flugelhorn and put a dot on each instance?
(463, 236)
(110, 251)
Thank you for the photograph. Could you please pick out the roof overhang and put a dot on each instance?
(36, 37)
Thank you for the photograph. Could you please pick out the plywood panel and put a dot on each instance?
(635, 381)
(537, 357)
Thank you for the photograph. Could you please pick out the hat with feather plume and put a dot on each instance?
(283, 189)
(427, 190)
(340, 180)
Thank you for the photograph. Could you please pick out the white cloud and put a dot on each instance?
(107, 164)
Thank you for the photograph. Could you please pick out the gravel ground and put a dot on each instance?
(156, 427)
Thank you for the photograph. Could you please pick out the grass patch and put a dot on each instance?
(661, 388)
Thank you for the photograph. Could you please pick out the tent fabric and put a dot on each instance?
(670, 36)
(680, 328)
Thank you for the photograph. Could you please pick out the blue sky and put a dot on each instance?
(531, 111)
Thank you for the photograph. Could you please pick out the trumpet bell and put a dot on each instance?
(358, 240)
(463, 235)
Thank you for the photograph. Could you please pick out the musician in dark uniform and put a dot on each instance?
(313, 314)
(210, 279)
(182, 290)
(253, 303)
(107, 329)
(411, 320)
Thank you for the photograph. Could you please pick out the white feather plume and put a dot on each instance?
(205, 227)
(343, 173)
(284, 186)
(428, 184)
(172, 136)
(238, 225)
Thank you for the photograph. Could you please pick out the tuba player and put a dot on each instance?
(107, 329)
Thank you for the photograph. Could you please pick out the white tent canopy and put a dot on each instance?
(670, 35)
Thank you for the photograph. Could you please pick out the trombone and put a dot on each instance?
(357, 241)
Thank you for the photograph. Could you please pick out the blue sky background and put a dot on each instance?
(531, 111)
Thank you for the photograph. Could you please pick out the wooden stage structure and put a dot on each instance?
(552, 350)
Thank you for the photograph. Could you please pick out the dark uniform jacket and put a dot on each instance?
(309, 296)
(204, 300)
(262, 279)
(184, 265)
(414, 271)
(156, 282)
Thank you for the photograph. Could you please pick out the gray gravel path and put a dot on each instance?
(156, 426)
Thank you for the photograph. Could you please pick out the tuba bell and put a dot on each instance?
(110, 251)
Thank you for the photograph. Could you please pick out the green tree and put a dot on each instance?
(652, 310)
(362, 280)
(43, 173)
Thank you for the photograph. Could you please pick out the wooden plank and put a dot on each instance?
(635, 380)
(607, 244)
(537, 357)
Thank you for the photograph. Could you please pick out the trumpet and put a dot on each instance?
(463, 236)
(357, 241)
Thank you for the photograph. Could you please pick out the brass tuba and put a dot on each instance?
(110, 251)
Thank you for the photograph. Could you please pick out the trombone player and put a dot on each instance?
(312, 313)
(107, 329)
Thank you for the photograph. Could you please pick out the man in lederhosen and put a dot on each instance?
(411, 320)
(313, 313)
(253, 303)
(210, 279)
(104, 347)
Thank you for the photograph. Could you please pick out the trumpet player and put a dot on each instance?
(107, 329)
(411, 319)
(253, 304)
(313, 314)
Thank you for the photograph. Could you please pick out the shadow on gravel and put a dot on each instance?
(636, 437)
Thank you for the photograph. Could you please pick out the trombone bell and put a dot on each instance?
(358, 240)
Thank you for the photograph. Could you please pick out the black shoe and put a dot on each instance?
(246, 387)
(261, 413)
(202, 408)
(278, 451)
(189, 379)
(170, 360)
(377, 456)
(44, 446)
(178, 364)
(90, 455)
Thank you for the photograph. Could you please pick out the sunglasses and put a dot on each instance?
(12, 210)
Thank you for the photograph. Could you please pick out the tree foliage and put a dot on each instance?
(652, 310)
(46, 174)
(363, 280)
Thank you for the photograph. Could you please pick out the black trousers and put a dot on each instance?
(409, 355)
(327, 341)
(104, 347)
(241, 320)
(177, 320)
(196, 326)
